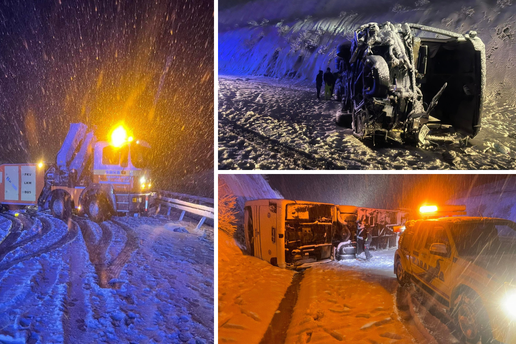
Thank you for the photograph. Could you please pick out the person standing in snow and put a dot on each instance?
(318, 82)
(368, 237)
(328, 84)
(364, 237)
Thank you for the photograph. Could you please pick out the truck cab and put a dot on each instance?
(98, 178)
(289, 233)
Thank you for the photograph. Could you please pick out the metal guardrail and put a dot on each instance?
(187, 204)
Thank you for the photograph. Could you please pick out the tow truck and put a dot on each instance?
(466, 264)
(89, 177)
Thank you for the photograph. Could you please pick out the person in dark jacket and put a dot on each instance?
(328, 84)
(318, 83)
(365, 235)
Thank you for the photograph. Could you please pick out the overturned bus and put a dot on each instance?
(289, 233)
(381, 223)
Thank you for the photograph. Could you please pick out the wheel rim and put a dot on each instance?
(58, 207)
(467, 321)
(399, 272)
(94, 209)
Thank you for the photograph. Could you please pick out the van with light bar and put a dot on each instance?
(466, 265)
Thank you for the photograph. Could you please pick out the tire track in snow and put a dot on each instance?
(65, 239)
(12, 236)
(301, 159)
(117, 264)
(108, 270)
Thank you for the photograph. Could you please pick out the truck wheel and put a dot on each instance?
(98, 209)
(401, 275)
(61, 205)
(376, 77)
(471, 318)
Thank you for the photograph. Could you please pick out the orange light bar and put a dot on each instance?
(428, 209)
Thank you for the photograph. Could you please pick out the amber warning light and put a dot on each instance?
(428, 209)
(445, 210)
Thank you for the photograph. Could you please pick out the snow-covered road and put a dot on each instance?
(350, 301)
(141, 280)
(271, 124)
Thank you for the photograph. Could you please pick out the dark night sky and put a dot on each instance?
(147, 63)
(380, 190)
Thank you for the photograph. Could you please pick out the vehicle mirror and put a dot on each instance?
(439, 249)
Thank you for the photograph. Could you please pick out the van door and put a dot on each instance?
(438, 264)
(268, 232)
(418, 264)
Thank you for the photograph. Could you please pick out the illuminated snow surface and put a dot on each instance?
(349, 301)
(129, 280)
(269, 124)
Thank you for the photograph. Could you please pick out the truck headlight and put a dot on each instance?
(509, 303)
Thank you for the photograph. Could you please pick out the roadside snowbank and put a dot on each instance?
(250, 291)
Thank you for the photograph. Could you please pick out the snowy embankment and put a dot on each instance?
(297, 38)
(250, 289)
(269, 124)
(490, 200)
(269, 117)
(127, 280)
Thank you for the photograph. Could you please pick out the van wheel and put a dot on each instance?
(61, 205)
(401, 275)
(98, 209)
(471, 319)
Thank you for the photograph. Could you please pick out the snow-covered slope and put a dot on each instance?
(490, 200)
(250, 289)
(244, 188)
(297, 38)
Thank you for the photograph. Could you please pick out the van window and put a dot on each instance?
(435, 235)
(490, 237)
(419, 240)
(407, 238)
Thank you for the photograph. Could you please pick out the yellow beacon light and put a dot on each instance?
(118, 136)
(428, 209)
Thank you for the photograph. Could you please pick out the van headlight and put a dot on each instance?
(509, 303)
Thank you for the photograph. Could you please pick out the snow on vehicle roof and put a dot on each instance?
(465, 219)
(288, 200)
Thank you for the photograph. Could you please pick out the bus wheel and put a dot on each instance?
(61, 205)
